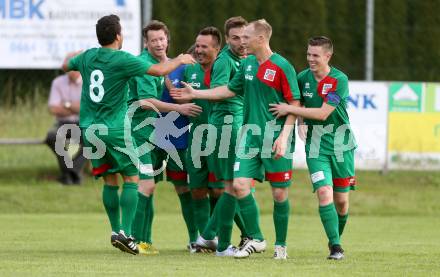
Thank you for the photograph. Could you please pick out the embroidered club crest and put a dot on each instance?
(326, 88)
(269, 75)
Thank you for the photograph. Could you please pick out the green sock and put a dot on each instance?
(149, 215)
(211, 228)
(238, 219)
(226, 218)
(128, 202)
(139, 218)
(213, 202)
(281, 221)
(201, 213)
(251, 217)
(342, 222)
(188, 215)
(329, 218)
(110, 200)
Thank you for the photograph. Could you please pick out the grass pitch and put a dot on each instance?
(78, 245)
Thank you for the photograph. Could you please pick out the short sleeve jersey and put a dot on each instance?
(176, 76)
(333, 90)
(197, 78)
(273, 81)
(105, 73)
(144, 87)
(223, 70)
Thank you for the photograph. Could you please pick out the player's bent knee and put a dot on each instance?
(111, 179)
(230, 189)
(146, 187)
(280, 194)
(341, 202)
(242, 192)
(325, 195)
(341, 205)
(242, 187)
(131, 179)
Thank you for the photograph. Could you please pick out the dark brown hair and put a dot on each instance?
(214, 33)
(107, 28)
(234, 22)
(156, 25)
(322, 41)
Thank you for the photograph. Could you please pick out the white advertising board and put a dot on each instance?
(38, 33)
(367, 109)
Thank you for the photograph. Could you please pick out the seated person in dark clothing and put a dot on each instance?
(64, 100)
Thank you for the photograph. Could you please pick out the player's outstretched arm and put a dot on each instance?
(164, 68)
(67, 59)
(321, 113)
(187, 93)
(170, 86)
(187, 109)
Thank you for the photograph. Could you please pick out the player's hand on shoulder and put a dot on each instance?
(186, 59)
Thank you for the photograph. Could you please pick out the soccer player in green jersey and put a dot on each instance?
(225, 116)
(207, 47)
(264, 77)
(147, 90)
(105, 72)
(330, 142)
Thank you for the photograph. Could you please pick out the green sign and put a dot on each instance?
(432, 102)
(405, 97)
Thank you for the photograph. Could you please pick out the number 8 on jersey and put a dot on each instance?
(96, 84)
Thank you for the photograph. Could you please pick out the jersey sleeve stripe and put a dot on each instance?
(274, 76)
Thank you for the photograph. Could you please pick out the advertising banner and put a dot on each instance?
(414, 126)
(367, 109)
(38, 33)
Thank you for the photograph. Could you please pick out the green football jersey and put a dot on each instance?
(198, 78)
(223, 70)
(105, 73)
(144, 87)
(274, 81)
(333, 90)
